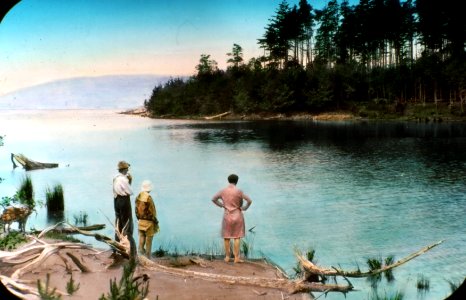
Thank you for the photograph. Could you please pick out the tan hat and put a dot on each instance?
(123, 165)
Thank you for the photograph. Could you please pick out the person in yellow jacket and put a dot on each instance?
(148, 225)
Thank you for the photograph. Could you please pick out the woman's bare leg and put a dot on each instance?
(236, 251)
(142, 241)
(226, 243)
(149, 246)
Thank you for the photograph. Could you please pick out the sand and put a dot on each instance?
(161, 285)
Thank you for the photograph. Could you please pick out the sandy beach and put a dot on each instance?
(162, 285)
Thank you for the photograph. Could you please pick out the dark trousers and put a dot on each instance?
(123, 214)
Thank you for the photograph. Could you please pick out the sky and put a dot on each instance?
(48, 40)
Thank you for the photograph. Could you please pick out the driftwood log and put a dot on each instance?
(217, 116)
(316, 270)
(29, 164)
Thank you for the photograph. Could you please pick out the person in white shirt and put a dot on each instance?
(121, 196)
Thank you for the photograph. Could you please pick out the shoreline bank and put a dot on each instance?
(414, 112)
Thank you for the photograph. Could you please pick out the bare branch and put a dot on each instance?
(314, 269)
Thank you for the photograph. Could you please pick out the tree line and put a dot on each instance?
(378, 51)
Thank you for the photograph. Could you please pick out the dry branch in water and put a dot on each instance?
(316, 270)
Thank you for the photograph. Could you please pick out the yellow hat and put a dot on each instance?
(123, 165)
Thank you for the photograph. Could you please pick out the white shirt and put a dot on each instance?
(121, 186)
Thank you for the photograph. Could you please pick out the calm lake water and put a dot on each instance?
(350, 190)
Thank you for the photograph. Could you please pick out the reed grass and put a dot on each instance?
(25, 192)
(423, 283)
(389, 274)
(453, 285)
(172, 250)
(55, 200)
(81, 219)
(374, 264)
(397, 296)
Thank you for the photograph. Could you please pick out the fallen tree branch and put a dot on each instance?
(291, 286)
(314, 269)
(217, 116)
(48, 250)
(121, 249)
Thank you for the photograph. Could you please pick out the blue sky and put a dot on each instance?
(46, 40)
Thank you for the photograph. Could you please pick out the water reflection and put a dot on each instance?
(286, 135)
(55, 217)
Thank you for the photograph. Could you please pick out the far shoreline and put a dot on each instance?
(414, 113)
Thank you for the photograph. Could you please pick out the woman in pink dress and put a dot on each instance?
(231, 200)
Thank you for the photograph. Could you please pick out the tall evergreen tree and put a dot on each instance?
(206, 65)
(328, 19)
(276, 38)
(236, 56)
(306, 21)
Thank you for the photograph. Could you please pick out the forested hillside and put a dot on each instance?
(384, 53)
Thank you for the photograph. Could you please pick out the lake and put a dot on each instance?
(350, 190)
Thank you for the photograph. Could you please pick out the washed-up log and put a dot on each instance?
(291, 286)
(29, 164)
(217, 116)
(316, 270)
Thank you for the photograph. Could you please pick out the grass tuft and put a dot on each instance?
(55, 200)
(71, 286)
(25, 192)
(423, 283)
(45, 292)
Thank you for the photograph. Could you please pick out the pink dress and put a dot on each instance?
(233, 220)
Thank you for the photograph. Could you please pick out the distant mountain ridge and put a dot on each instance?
(103, 92)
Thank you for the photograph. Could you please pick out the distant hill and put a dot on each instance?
(107, 92)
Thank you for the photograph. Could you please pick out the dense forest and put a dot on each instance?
(384, 53)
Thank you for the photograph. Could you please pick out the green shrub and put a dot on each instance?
(128, 287)
(12, 240)
(71, 286)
